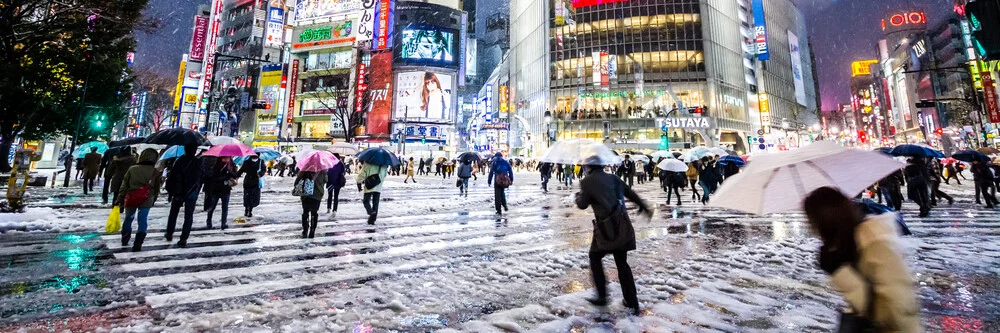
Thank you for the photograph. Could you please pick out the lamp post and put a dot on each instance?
(548, 130)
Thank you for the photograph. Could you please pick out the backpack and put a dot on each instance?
(304, 187)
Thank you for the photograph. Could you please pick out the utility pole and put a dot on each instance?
(79, 119)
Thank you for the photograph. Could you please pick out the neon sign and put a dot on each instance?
(760, 31)
(588, 3)
(897, 21)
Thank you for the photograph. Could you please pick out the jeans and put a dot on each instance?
(465, 186)
(500, 198)
(568, 179)
(545, 183)
(370, 201)
(332, 197)
(213, 201)
(175, 207)
(705, 192)
(129, 215)
(625, 277)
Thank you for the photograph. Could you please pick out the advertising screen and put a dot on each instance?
(427, 46)
(424, 95)
(312, 9)
(379, 94)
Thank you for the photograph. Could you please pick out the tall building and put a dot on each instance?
(631, 72)
(908, 69)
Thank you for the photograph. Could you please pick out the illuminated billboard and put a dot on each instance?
(588, 3)
(862, 67)
(379, 94)
(313, 9)
(431, 46)
(904, 20)
(760, 31)
(424, 95)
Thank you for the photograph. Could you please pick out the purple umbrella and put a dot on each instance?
(317, 161)
(230, 149)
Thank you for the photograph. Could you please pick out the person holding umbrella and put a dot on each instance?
(336, 177)
(464, 173)
(374, 169)
(183, 184)
(709, 178)
(934, 171)
(254, 170)
(545, 169)
(504, 174)
(983, 178)
(917, 184)
(310, 181)
(674, 177)
(692, 177)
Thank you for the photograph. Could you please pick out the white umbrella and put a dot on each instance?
(218, 140)
(580, 151)
(343, 148)
(779, 182)
(643, 158)
(672, 166)
(663, 154)
(718, 151)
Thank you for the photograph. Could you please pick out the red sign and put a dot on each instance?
(213, 35)
(197, 52)
(380, 94)
(990, 97)
(899, 20)
(605, 75)
(588, 3)
(291, 94)
(359, 97)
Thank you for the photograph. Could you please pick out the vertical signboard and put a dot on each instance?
(270, 82)
(275, 28)
(605, 78)
(796, 59)
(197, 50)
(595, 67)
(489, 101)
(765, 113)
(760, 31)
(366, 23)
(990, 97)
(180, 83)
(213, 34)
(382, 38)
(380, 94)
(293, 86)
(461, 49)
(359, 97)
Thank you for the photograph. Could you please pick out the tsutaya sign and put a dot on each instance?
(685, 122)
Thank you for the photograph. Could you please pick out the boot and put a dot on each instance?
(139, 238)
(371, 219)
(312, 228)
(125, 237)
(305, 225)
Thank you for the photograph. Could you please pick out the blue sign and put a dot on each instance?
(762, 146)
(760, 30)
(761, 140)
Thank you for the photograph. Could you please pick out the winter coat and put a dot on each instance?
(117, 168)
(336, 176)
(692, 173)
(675, 179)
(410, 172)
(710, 176)
(639, 167)
(319, 183)
(627, 169)
(500, 166)
(254, 171)
(916, 174)
(91, 165)
(141, 174)
(185, 177)
(465, 170)
(217, 182)
(545, 169)
(603, 192)
(981, 173)
(895, 304)
(372, 169)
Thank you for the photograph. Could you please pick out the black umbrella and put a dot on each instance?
(469, 157)
(677, 154)
(127, 142)
(971, 156)
(179, 137)
(378, 156)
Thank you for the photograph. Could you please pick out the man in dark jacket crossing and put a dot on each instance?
(500, 168)
(183, 184)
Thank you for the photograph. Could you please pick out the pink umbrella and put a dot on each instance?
(317, 161)
(230, 149)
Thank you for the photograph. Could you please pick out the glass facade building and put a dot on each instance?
(613, 72)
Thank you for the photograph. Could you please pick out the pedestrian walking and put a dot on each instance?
(709, 178)
(627, 171)
(281, 169)
(370, 180)
(859, 253)
(640, 171)
(674, 181)
(983, 178)
(961, 171)
(218, 186)
(501, 170)
(91, 168)
(464, 173)
(140, 185)
(545, 169)
(309, 187)
(410, 172)
(293, 169)
(115, 173)
(336, 178)
(889, 187)
(692, 178)
(252, 172)
(606, 194)
(951, 172)
(917, 184)
(936, 177)
(567, 172)
(183, 183)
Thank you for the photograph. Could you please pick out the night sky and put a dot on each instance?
(841, 32)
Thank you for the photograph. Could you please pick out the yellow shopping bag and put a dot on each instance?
(114, 223)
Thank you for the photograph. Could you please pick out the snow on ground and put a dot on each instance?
(437, 262)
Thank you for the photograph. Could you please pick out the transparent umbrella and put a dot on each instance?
(576, 151)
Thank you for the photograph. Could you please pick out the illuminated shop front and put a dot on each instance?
(324, 57)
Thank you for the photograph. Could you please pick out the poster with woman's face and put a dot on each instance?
(424, 95)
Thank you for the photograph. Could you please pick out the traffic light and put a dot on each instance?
(423, 139)
(862, 136)
(939, 131)
(698, 110)
(98, 121)
(261, 105)
(984, 19)
(664, 142)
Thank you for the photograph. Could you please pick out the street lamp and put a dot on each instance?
(548, 132)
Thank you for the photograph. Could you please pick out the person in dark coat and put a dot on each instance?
(91, 168)
(183, 184)
(254, 170)
(545, 169)
(464, 173)
(627, 171)
(604, 193)
(918, 184)
(709, 178)
(952, 173)
(983, 178)
(219, 185)
(674, 182)
(500, 167)
(311, 202)
(336, 179)
(105, 163)
(934, 171)
(889, 188)
(115, 173)
(143, 174)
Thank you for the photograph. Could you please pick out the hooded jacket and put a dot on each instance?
(372, 169)
(141, 174)
(499, 166)
(117, 168)
(895, 306)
